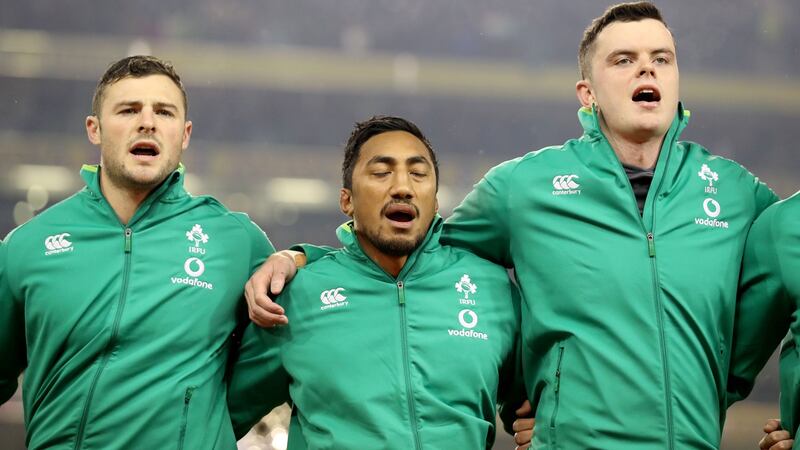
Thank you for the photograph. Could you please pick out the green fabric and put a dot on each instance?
(625, 339)
(380, 366)
(125, 349)
(770, 296)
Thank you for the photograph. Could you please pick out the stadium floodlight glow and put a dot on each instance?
(302, 192)
(50, 178)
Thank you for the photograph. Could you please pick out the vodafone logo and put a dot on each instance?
(711, 207)
(194, 267)
(467, 318)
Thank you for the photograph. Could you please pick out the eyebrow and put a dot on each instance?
(383, 159)
(156, 105)
(657, 51)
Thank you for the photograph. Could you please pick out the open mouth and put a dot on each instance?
(400, 213)
(144, 148)
(646, 94)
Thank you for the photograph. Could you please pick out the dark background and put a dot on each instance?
(275, 87)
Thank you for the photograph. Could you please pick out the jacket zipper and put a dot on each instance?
(185, 416)
(651, 252)
(557, 386)
(115, 328)
(661, 333)
(401, 298)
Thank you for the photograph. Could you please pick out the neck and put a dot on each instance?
(634, 151)
(124, 201)
(391, 264)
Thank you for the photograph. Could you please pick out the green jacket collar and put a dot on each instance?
(591, 123)
(171, 188)
(347, 237)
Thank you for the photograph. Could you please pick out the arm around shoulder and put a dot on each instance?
(480, 223)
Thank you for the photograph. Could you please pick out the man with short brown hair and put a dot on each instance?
(119, 303)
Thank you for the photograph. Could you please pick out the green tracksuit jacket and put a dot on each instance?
(769, 307)
(626, 318)
(124, 331)
(377, 362)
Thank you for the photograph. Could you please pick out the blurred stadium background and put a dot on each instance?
(275, 86)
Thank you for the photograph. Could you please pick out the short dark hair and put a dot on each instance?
(622, 12)
(137, 67)
(374, 126)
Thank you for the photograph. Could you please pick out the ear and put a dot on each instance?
(346, 201)
(93, 130)
(585, 93)
(436, 205)
(187, 134)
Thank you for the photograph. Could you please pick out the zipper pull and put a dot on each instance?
(401, 295)
(651, 245)
(128, 234)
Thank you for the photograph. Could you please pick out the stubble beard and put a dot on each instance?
(125, 178)
(394, 246)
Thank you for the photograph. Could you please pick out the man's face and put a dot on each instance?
(634, 79)
(142, 131)
(393, 196)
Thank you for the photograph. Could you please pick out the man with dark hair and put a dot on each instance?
(626, 244)
(398, 342)
(119, 303)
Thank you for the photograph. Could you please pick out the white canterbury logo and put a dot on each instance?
(566, 185)
(58, 243)
(565, 182)
(332, 298)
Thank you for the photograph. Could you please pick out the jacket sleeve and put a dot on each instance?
(511, 390)
(480, 223)
(313, 252)
(260, 245)
(12, 332)
(764, 196)
(764, 308)
(258, 382)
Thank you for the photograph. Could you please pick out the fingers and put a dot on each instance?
(523, 438)
(261, 309)
(524, 410)
(772, 425)
(283, 268)
(783, 445)
(776, 440)
(521, 425)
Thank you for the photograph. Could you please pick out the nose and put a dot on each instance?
(647, 69)
(147, 123)
(401, 186)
